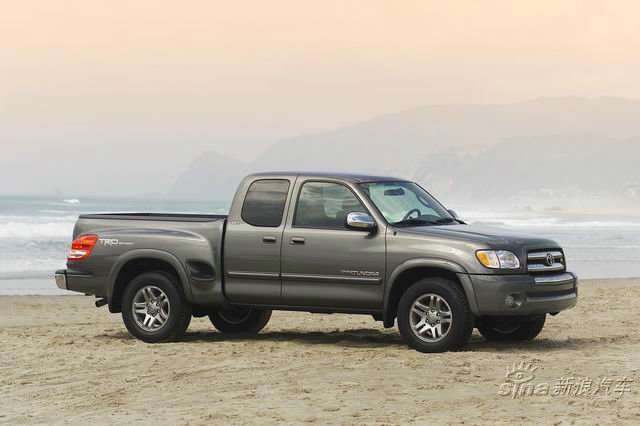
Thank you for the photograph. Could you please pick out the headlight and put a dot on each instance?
(498, 259)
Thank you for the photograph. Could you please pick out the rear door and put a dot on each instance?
(324, 264)
(253, 240)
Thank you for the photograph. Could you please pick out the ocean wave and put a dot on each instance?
(36, 231)
(31, 267)
(20, 275)
(53, 211)
(51, 217)
(554, 223)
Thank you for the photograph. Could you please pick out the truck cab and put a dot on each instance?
(290, 241)
(324, 243)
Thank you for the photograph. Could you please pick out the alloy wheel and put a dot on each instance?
(151, 308)
(430, 318)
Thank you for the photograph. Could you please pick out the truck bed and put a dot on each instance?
(179, 241)
(163, 217)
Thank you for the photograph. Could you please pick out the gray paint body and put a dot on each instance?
(261, 266)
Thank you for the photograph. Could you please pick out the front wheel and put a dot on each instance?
(154, 308)
(240, 319)
(511, 328)
(434, 316)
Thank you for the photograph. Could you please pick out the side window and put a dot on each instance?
(264, 202)
(325, 205)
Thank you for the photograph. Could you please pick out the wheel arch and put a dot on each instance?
(410, 271)
(135, 262)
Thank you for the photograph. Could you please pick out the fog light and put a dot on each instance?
(512, 300)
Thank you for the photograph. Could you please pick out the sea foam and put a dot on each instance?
(36, 231)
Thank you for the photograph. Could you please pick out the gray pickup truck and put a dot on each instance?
(321, 243)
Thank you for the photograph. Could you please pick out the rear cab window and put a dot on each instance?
(264, 202)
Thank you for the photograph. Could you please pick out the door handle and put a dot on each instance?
(297, 240)
(269, 239)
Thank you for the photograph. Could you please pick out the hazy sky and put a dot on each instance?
(239, 75)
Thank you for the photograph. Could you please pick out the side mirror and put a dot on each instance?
(359, 221)
(454, 214)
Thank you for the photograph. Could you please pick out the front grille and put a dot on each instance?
(545, 261)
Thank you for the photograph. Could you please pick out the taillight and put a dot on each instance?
(81, 247)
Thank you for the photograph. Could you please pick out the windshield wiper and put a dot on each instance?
(419, 222)
(414, 222)
(446, 220)
(450, 220)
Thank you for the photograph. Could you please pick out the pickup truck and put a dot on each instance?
(320, 243)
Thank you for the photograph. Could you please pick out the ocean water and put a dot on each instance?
(35, 234)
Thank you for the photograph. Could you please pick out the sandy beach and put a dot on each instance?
(63, 360)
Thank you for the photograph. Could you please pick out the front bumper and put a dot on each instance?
(524, 294)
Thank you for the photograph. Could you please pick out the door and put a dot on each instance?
(253, 240)
(324, 264)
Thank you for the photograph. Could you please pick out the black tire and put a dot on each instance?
(179, 315)
(462, 319)
(240, 319)
(506, 329)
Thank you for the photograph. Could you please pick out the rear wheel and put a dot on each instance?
(511, 328)
(434, 316)
(240, 319)
(154, 308)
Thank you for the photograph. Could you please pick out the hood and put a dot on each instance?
(494, 237)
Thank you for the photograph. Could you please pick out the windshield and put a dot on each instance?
(405, 203)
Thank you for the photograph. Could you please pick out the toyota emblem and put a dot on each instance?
(550, 260)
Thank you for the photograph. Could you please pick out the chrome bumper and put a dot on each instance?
(61, 279)
(564, 278)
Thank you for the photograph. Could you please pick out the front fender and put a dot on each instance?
(434, 263)
(147, 254)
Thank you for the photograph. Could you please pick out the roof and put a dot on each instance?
(351, 177)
